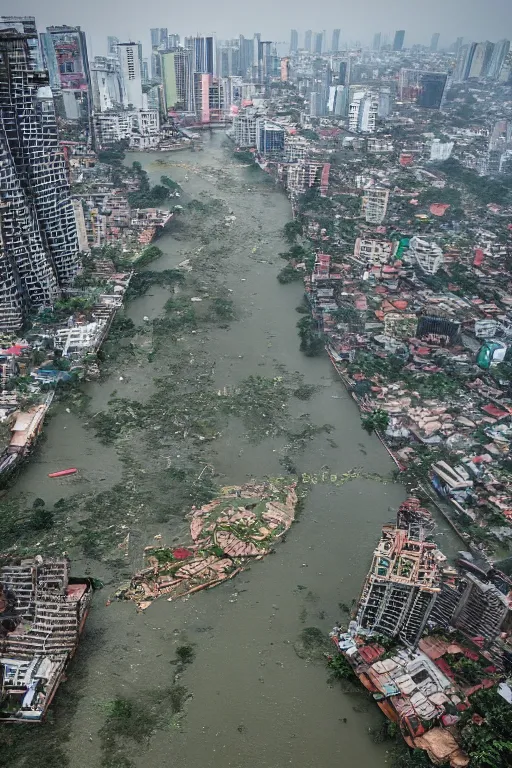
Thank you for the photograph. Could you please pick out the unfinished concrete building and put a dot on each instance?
(404, 579)
(38, 238)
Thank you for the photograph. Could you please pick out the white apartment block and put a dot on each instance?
(375, 204)
(440, 151)
(427, 255)
(362, 112)
(373, 251)
(140, 127)
(244, 129)
(131, 75)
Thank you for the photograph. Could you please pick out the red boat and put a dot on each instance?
(63, 472)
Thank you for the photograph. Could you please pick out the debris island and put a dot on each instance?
(226, 535)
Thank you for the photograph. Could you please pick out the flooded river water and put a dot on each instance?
(253, 701)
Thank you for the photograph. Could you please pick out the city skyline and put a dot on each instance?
(98, 20)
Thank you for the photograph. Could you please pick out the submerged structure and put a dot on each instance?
(427, 636)
(240, 526)
(42, 614)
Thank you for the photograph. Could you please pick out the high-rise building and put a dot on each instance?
(159, 37)
(440, 151)
(145, 71)
(294, 41)
(264, 68)
(178, 80)
(105, 83)
(363, 112)
(65, 57)
(498, 57)
(374, 204)
(316, 104)
(376, 41)
(308, 36)
(342, 101)
(131, 75)
(398, 42)
(481, 59)
(204, 54)
(319, 39)
(384, 108)
(269, 138)
(458, 44)
(464, 61)
(434, 42)
(27, 25)
(112, 43)
(38, 237)
(173, 41)
(335, 44)
(426, 89)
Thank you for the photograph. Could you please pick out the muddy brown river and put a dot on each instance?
(254, 703)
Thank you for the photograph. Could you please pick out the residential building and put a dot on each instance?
(376, 41)
(131, 75)
(316, 104)
(384, 107)
(363, 112)
(38, 236)
(244, 128)
(434, 42)
(426, 254)
(319, 40)
(373, 251)
(105, 83)
(285, 69)
(294, 41)
(375, 204)
(139, 127)
(440, 151)
(398, 42)
(65, 57)
(159, 41)
(269, 138)
(173, 41)
(499, 54)
(464, 61)
(335, 44)
(177, 79)
(295, 148)
(308, 36)
(481, 59)
(342, 101)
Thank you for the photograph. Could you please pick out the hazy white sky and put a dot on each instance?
(475, 19)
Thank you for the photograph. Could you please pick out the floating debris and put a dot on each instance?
(242, 524)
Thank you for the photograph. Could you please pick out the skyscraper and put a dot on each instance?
(434, 42)
(173, 41)
(376, 41)
(105, 83)
(335, 44)
(131, 75)
(65, 57)
(481, 59)
(294, 41)
(38, 237)
(159, 36)
(398, 42)
(464, 61)
(178, 80)
(319, 39)
(308, 35)
(432, 85)
(363, 112)
(204, 55)
(498, 57)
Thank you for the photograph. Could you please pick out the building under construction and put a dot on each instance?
(42, 614)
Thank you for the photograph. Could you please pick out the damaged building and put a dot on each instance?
(38, 237)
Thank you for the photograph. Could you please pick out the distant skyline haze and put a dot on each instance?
(130, 20)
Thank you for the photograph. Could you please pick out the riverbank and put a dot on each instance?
(253, 703)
